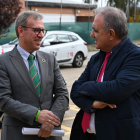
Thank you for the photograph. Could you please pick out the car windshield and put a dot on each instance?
(13, 42)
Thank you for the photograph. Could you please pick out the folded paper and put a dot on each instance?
(34, 131)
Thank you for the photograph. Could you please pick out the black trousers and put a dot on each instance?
(89, 136)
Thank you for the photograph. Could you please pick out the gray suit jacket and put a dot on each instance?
(18, 96)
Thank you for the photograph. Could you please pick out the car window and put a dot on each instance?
(70, 38)
(74, 38)
(52, 39)
(63, 38)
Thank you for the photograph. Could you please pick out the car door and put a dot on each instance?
(65, 47)
(50, 45)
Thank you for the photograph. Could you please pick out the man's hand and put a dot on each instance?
(48, 118)
(45, 131)
(101, 105)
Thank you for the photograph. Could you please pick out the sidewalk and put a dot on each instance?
(137, 42)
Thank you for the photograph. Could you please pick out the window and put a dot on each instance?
(51, 38)
(63, 38)
(70, 38)
(74, 38)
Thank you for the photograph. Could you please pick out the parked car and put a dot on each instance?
(68, 47)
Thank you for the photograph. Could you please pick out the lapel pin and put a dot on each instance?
(43, 60)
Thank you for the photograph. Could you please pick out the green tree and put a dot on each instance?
(122, 4)
(9, 10)
(128, 6)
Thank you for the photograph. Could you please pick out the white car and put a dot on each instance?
(68, 47)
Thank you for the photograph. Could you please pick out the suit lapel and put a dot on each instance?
(22, 70)
(118, 54)
(43, 65)
(112, 66)
(113, 61)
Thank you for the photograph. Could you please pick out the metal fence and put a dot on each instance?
(81, 28)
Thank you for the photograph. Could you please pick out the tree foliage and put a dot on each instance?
(9, 10)
(122, 4)
(128, 6)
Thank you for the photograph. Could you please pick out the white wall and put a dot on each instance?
(56, 18)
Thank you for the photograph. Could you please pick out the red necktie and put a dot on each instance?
(86, 116)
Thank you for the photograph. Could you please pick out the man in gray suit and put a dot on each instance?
(32, 92)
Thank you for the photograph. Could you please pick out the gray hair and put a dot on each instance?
(23, 18)
(115, 19)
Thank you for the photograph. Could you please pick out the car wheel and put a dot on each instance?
(78, 60)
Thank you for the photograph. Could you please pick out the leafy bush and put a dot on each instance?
(9, 10)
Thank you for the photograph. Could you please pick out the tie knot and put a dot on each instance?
(31, 57)
(107, 55)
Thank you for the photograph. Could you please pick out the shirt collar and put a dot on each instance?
(24, 53)
(117, 48)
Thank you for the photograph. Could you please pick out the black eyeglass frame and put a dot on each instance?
(35, 29)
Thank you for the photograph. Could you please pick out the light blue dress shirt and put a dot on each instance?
(25, 56)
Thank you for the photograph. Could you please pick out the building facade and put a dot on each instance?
(67, 11)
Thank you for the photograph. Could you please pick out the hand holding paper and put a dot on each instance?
(45, 131)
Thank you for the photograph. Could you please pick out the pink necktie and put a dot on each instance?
(86, 116)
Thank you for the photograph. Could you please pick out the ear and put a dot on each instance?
(112, 34)
(20, 31)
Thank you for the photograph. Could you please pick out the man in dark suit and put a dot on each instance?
(32, 89)
(108, 91)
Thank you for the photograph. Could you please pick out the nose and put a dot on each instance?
(92, 34)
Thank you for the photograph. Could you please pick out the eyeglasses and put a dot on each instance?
(37, 30)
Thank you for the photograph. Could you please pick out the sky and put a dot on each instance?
(101, 3)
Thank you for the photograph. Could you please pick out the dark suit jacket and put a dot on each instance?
(120, 86)
(18, 96)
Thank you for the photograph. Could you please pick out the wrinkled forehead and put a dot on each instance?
(98, 20)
